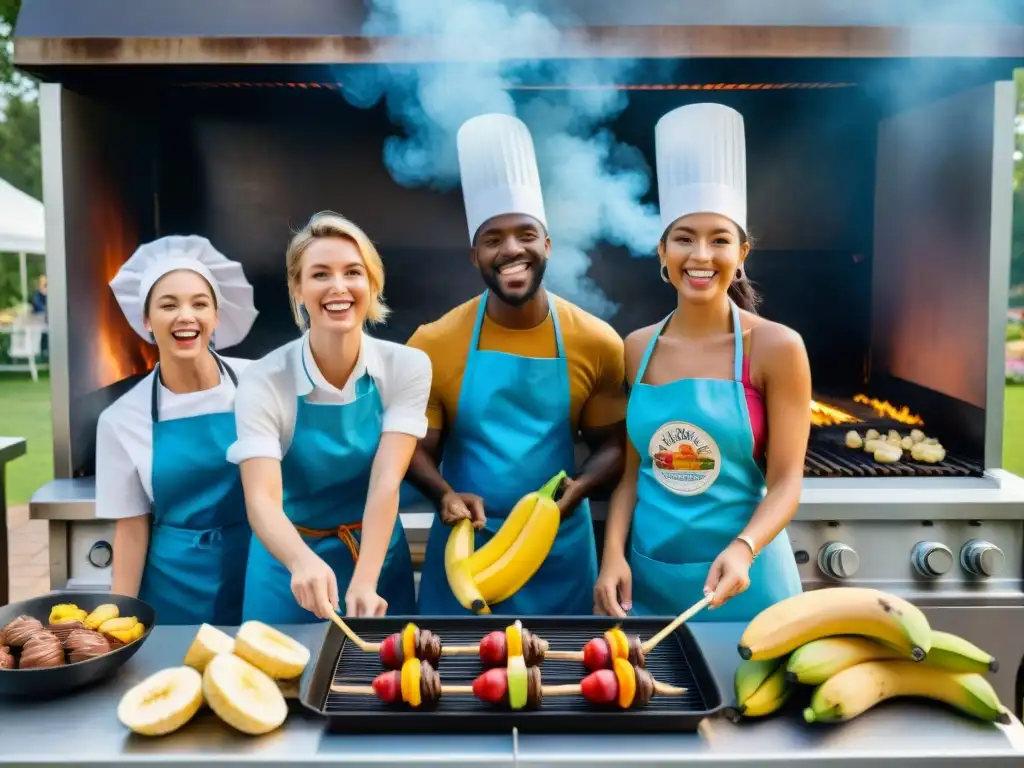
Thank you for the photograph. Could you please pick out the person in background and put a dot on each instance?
(38, 298)
(327, 425)
(518, 373)
(717, 415)
(181, 537)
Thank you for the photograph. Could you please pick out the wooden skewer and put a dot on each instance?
(564, 655)
(459, 650)
(561, 690)
(356, 639)
(367, 690)
(684, 616)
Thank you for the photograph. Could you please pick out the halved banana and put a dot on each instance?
(270, 650)
(208, 642)
(163, 702)
(242, 696)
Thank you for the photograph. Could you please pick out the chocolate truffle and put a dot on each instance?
(83, 644)
(644, 687)
(19, 631)
(64, 628)
(43, 650)
(6, 659)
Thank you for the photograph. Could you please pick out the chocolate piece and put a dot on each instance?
(430, 684)
(534, 648)
(637, 657)
(6, 659)
(19, 631)
(83, 644)
(64, 628)
(534, 689)
(42, 650)
(644, 688)
(428, 648)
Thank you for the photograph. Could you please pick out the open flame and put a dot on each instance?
(119, 352)
(828, 415)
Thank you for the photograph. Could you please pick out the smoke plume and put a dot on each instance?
(593, 183)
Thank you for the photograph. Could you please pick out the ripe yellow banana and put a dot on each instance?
(512, 528)
(816, 662)
(958, 655)
(457, 551)
(782, 628)
(518, 563)
(857, 689)
(769, 696)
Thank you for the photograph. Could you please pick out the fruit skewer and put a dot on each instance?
(600, 652)
(517, 686)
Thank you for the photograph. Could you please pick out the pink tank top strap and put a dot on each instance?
(755, 410)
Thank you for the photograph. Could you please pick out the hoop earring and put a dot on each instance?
(664, 274)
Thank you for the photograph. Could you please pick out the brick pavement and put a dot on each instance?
(29, 552)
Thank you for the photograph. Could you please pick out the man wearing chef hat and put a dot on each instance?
(182, 535)
(718, 421)
(518, 373)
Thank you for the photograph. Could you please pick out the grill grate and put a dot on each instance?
(676, 660)
(824, 459)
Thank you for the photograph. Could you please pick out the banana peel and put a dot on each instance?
(500, 568)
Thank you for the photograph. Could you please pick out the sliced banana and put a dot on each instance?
(163, 702)
(927, 453)
(870, 446)
(894, 435)
(871, 434)
(208, 642)
(887, 453)
(907, 443)
(916, 435)
(242, 696)
(853, 440)
(270, 650)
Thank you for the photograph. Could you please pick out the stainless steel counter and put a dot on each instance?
(82, 730)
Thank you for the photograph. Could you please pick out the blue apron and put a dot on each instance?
(325, 477)
(199, 536)
(513, 433)
(698, 488)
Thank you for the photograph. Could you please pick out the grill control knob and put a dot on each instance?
(981, 558)
(838, 560)
(931, 558)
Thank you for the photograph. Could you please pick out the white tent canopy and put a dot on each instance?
(22, 227)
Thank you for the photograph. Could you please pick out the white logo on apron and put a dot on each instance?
(684, 458)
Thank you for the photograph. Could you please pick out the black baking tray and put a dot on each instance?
(677, 660)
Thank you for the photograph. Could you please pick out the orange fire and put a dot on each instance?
(885, 409)
(119, 352)
(826, 416)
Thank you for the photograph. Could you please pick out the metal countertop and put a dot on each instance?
(82, 730)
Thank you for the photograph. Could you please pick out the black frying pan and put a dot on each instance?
(57, 681)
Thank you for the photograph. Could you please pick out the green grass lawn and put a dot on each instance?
(25, 412)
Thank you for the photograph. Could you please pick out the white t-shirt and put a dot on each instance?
(124, 439)
(268, 393)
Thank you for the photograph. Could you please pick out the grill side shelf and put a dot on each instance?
(676, 661)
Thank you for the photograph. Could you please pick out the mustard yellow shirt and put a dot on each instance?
(593, 350)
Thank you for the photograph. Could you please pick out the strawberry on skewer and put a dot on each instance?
(601, 652)
(519, 687)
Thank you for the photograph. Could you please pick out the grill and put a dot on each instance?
(828, 456)
(677, 660)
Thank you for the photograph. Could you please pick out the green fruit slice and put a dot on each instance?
(518, 683)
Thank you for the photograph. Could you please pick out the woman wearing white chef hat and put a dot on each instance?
(718, 411)
(181, 536)
(327, 425)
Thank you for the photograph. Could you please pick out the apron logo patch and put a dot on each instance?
(684, 458)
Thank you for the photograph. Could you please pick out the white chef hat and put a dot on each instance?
(702, 163)
(499, 172)
(150, 262)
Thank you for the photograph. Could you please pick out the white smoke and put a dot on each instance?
(593, 183)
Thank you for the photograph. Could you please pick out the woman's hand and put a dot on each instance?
(614, 588)
(364, 601)
(729, 574)
(314, 585)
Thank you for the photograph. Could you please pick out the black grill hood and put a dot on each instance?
(54, 34)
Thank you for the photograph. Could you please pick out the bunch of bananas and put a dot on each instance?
(858, 647)
(481, 577)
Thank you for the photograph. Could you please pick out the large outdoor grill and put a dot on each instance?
(879, 177)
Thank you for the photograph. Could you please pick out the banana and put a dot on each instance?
(512, 528)
(243, 696)
(958, 655)
(857, 689)
(769, 696)
(208, 642)
(782, 628)
(750, 675)
(457, 551)
(816, 662)
(518, 563)
(163, 702)
(270, 650)
(101, 614)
